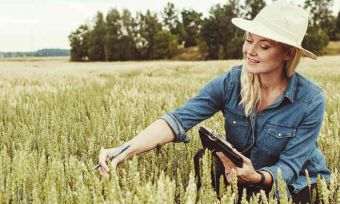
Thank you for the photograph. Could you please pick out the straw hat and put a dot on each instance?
(281, 22)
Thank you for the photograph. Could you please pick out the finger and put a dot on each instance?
(227, 176)
(226, 167)
(222, 157)
(241, 180)
(228, 164)
(245, 159)
(103, 173)
(102, 160)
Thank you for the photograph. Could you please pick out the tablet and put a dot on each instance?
(212, 141)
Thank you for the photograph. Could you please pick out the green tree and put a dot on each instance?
(165, 45)
(316, 39)
(321, 14)
(223, 39)
(129, 32)
(172, 23)
(170, 17)
(180, 33)
(149, 26)
(112, 35)
(128, 50)
(79, 43)
(235, 47)
(96, 40)
(337, 30)
(192, 24)
(252, 7)
(75, 44)
(211, 37)
(329, 26)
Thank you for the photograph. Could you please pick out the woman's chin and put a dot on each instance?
(252, 69)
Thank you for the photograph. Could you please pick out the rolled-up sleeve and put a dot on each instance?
(176, 127)
(299, 149)
(210, 99)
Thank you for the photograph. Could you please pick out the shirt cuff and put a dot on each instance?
(176, 127)
(273, 171)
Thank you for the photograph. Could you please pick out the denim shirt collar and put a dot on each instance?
(291, 88)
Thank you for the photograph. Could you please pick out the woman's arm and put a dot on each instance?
(157, 133)
(173, 125)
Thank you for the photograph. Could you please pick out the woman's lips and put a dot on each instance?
(252, 61)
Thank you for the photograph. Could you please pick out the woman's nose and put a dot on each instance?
(252, 50)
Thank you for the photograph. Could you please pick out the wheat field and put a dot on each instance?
(56, 115)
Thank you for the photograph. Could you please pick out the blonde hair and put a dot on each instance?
(251, 84)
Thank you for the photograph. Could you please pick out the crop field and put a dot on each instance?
(56, 115)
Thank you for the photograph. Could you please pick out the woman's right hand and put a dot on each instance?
(104, 160)
(157, 133)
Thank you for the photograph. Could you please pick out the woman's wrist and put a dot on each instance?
(134, 149)
(256, 178)
(262, 179)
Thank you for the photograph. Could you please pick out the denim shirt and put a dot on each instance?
(283, 135)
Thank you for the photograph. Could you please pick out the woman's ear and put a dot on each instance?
(291, 51)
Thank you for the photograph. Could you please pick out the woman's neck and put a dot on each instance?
(271, 87)
(273, 82)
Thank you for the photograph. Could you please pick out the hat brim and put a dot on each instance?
(258, 29)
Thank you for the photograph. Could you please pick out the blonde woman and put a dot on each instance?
(272, 114)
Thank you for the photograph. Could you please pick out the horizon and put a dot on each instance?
(32, 25)
(35, 50)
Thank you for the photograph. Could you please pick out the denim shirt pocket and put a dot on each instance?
(238, 130)
(276, 137)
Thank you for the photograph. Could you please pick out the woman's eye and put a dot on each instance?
(249, 41)
(264, 47)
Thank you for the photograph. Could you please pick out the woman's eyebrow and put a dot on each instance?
(265, 40)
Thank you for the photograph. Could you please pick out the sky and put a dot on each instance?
(29, 25)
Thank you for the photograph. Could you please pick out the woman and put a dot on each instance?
(272, 114)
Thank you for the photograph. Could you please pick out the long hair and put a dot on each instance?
(251, 84)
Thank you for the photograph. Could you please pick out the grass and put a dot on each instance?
(333, 48)
(55, 116)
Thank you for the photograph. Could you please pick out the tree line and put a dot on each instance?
(38, 53)
(120, 36)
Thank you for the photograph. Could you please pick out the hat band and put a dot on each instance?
(266, 23)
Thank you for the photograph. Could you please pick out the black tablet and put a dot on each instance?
(212, 141)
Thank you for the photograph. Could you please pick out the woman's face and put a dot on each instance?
(262, 55)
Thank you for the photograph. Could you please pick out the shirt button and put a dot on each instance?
(280, 134)
(234, 122)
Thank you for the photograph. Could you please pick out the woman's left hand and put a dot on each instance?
(246, 174)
